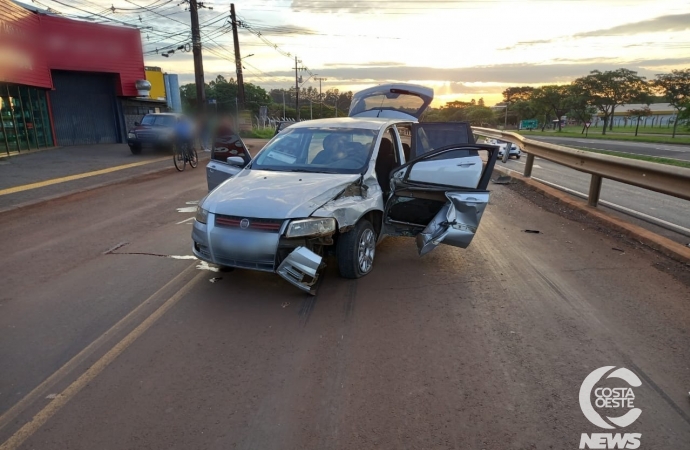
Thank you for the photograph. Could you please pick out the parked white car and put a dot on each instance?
(341, 185)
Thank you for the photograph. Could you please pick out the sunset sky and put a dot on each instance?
(463, 49)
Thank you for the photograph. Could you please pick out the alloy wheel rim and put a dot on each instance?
(366, 250)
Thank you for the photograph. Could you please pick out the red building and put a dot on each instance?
(63, 81)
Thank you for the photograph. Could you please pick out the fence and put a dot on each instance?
(661, 178)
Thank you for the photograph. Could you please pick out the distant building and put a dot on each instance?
(663, 114)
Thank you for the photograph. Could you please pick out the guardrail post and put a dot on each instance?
(594, 191)
(528, 165)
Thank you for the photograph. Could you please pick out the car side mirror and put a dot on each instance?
(136, 124)
(236, 161)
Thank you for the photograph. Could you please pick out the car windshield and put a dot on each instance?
(321, 150)
(163, 121)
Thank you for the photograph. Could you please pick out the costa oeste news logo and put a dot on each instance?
(619, 398)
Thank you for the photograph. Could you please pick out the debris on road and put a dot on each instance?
(203, 265)
(503, 179)
(285, 304)
(533, 231)
(215, 280)
(618, 249)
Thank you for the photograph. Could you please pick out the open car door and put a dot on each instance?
(229, 155)
(440, 195)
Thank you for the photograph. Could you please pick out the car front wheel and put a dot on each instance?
(135, 149)
(355, 250)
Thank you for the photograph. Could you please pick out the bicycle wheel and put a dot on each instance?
(193, 158)
(179, 158)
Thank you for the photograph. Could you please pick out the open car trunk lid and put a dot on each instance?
(392, 101)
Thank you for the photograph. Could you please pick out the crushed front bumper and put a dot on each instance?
(255, 250)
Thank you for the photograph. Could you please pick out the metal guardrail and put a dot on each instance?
(656, 177)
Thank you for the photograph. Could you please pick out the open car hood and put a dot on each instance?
(276, 195)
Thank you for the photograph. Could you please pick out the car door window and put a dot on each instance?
(405, 133)
(434, 135)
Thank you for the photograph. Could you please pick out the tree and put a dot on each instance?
(481, 102)
(516, 93)
(552, 98)
(607, 90)
(578, 105)
(639, 114)
(675, 87)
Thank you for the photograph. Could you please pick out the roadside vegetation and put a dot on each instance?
(654, 139)
(598, 97)
(259, 133)
(654, 159)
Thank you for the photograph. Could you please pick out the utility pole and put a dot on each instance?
(198, 63)
(296, 89)
(297, 81)
(283, 104)
(238, 59)
(320, 96)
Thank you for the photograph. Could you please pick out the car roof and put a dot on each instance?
(367, 123)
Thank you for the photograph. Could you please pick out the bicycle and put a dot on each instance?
(183, 155)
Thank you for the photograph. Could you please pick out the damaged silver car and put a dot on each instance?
(340, 186)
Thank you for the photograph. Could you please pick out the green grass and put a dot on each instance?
(595, 133)
(663, 130)
(259, 133)
(654, 159)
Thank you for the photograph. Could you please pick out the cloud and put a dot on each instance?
(367, 64)
(499, 73)
(528, 43)
(336, 6)
(674, 22)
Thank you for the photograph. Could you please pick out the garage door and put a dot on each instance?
(84, 108)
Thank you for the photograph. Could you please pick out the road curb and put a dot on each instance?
(93, 187)
(657, 242)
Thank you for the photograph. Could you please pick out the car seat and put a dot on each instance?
(385, 163)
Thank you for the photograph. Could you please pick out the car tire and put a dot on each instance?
(355, 250)
(517, 157)
(135, 149)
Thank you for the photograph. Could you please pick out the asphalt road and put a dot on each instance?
(640, 148)
(669, 209)
(484, 348)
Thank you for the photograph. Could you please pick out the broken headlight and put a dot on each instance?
(311, 227)
(201, 215)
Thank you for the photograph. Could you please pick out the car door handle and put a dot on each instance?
(466, 164)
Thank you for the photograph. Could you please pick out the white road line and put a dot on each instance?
(637, 214)
(184, 221)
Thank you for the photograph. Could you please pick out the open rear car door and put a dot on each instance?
(440, 195)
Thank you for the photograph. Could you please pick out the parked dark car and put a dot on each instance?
(154, 131)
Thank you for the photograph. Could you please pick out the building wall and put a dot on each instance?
(33, 44)
(21, 59)
(154, 75)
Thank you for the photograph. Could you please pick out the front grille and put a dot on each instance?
(267, 225)
(146, 135)
(265, 265)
